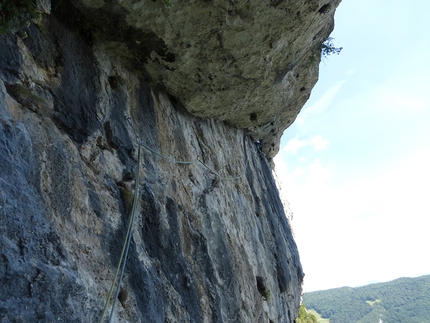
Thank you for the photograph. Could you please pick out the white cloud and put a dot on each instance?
(323, 103)
(293, 145)
(371, 228)
(370, 220)
(318, 174)
(319, 143)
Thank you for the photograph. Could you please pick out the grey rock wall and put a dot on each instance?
(251, 63)
(206, 247)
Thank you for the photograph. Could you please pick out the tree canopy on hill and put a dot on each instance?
(304, 316)
(404, 300)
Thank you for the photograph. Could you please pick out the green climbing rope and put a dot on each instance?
(125, 248)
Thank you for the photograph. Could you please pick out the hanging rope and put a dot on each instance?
(190, 162)
(125, 248)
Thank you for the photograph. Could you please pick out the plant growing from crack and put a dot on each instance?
(328, 48)
(168, 3)
(262, 289)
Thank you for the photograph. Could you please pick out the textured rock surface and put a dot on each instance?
(251, 63)
(204, 249)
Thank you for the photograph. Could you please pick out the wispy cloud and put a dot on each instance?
(323, 103)
(293, 145)
(319, 143)
(364, 205)
(380, 207)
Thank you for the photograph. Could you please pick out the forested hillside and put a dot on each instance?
(404, 300)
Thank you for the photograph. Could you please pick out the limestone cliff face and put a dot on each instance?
(211, 242)
(251, 63)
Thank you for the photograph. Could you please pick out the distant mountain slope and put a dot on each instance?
(404, 300)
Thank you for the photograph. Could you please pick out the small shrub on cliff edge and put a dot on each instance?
(327, 48)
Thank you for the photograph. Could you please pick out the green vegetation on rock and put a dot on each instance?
(305, 316)
(15, 12)
(404, 300)
(318, 316)
(328, 48)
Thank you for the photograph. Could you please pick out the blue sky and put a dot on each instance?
(354, 166)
